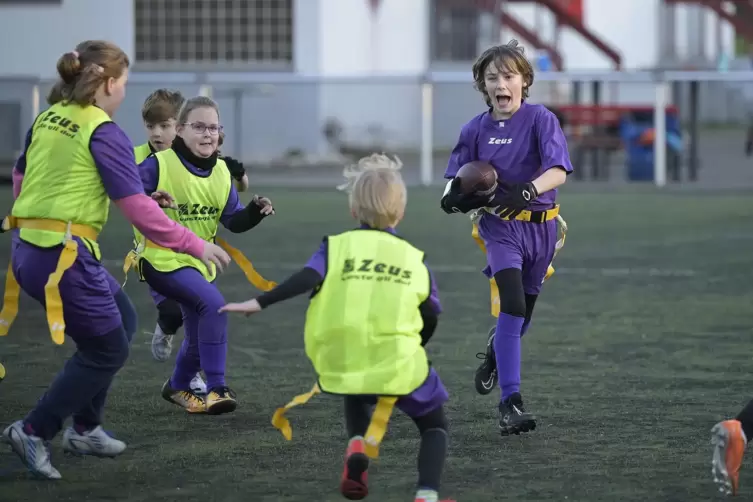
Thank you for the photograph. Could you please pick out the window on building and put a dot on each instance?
(455, 31)
(185, 34)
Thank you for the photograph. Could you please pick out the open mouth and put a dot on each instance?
(206, 143)
(503, 101)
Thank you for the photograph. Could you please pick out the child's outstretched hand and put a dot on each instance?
(265, 204)
(164, 199)
(248, 308)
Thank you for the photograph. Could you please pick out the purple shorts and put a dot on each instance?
(87, 288)
(427, 398)
(526, 246)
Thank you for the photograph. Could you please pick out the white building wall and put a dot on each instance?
(341, 38)
(34, 37)
(337, 39)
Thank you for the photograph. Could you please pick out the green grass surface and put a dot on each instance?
(640, 343)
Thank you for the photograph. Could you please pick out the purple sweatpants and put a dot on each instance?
(205, 343)
(101, 321)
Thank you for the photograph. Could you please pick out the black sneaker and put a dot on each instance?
(486, 374)
(513, 418)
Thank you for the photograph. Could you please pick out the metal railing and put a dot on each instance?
(279, 116)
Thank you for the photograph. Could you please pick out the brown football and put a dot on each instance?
(477, 177)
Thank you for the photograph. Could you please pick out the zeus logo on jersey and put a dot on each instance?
(196, 212)
(500, 141)
(55, 122)
(371, 270)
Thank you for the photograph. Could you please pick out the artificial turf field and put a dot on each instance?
(640, 343)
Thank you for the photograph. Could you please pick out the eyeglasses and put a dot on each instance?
(201, 127)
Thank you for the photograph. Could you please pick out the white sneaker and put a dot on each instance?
(162, 345)
(95, 442)
(198, 385)
(33, 451)
(426, 496)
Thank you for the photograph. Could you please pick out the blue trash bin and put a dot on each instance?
(640, 157)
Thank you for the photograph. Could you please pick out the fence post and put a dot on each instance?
(660, 129)
(427, 132)
(238, 124)
(34, 102)
(693, 119)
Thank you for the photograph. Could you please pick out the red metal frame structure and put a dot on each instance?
(532, 38)
(604, 115)
(566, 17)
(512, 22)
(567, 13)
(741, 20)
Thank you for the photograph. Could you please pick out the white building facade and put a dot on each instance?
(358, 61)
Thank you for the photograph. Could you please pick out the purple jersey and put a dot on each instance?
(318, 262)
(520, 148)
(149, 170)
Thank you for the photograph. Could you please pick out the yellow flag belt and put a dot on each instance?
(523, 216)
(53, 301)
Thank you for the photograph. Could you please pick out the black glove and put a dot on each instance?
(237, 171)
(456, 202)
(517, 198)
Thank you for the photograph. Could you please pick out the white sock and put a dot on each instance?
(158, 330)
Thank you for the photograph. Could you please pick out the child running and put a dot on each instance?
(160, 115)
(200, 182)
(373, 309)
(75, 161)
(517, 225)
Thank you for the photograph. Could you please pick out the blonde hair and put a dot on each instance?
(376, 190)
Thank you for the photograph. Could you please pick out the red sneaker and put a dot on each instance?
(353, 484)
(729, 449)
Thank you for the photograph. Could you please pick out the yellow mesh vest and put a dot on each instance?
(63, 196)
(200, 204)
(141, 152)
(363, 325)
(61, 181)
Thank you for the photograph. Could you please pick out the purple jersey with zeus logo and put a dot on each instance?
(520, 148)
